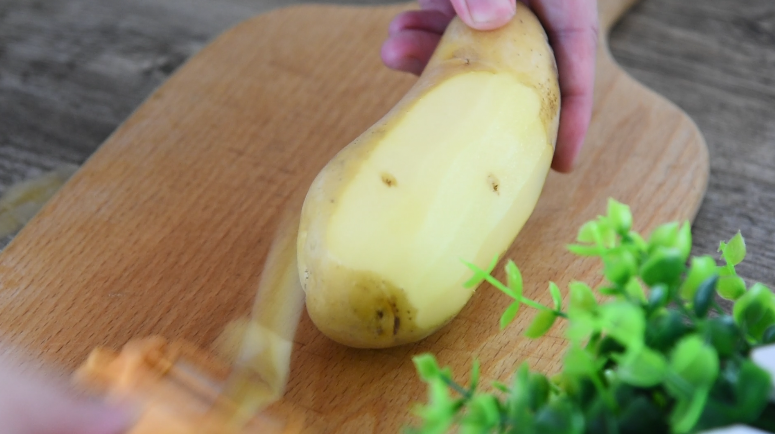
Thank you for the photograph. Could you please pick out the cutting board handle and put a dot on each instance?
(610, 11)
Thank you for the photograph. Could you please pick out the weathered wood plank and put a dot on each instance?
(716, 60)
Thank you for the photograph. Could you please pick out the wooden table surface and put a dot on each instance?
(72, 70)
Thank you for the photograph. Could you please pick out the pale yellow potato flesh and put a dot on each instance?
(414, 215)
(452, 173)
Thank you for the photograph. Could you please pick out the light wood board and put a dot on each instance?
(165, 229)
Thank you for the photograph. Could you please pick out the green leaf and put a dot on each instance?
(426, 366)
(583, 324)
(733, 252)
(578, 362)
(752, 391)
(624, 322)
(723, 334)
(560, 417)
(514, 278)
(702, 267)
(755, 310)
(664, 266)
(538, 390)
(599, 417)
(635, 290)
(581, 297)
(665, 235)
(768, 337)
(541, 324)
(688, 411)
(620, 216)
(726, 270)
(500, 386)
(608, 346)
(619, 266)
(638, 242)
(475, 372)
(642, 415)
(683, 240)
(658, 297)
(606, 231)
(483, 412)
(517, 402)
(581, 250)
(509, 314)
(438, 414)
(695, 362)
(588, 233)
(731, 287)
(608, 290)
(556, 296)
(642, 367)
(665, 329)
(704, 296)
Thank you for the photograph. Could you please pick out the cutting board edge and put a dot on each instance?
(607, 26)
(701, 143)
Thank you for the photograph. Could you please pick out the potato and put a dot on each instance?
(451, 173)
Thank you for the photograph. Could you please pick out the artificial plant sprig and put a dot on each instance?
(650, 349)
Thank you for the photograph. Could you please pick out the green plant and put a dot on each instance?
(657, 354)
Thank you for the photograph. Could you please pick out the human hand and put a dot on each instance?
(39, 405)
(572, 27)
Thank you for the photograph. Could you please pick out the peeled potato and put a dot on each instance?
(452, 172)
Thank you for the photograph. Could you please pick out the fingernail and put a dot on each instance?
(487, 11)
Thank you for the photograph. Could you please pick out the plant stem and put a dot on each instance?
(718, 308)
(496, 283)
(457, 388)
(623, 292)
(540, 306)
(610, 401)
(682, 307)
(679, 383)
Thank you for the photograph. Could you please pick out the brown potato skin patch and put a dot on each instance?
(365, 312)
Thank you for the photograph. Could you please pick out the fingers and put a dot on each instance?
(431, 21)
(572, 27)
(409, 50)
(413, 37)
(443, 6)
(485, 14)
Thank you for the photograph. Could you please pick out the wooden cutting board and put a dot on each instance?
(166, 228)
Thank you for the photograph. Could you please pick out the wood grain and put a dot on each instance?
(716, 60)
(165, 228)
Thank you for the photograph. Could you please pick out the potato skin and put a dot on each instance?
(364, 310)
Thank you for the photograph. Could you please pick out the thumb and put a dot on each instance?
(485, 14)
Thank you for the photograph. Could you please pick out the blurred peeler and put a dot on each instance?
(176, 387)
